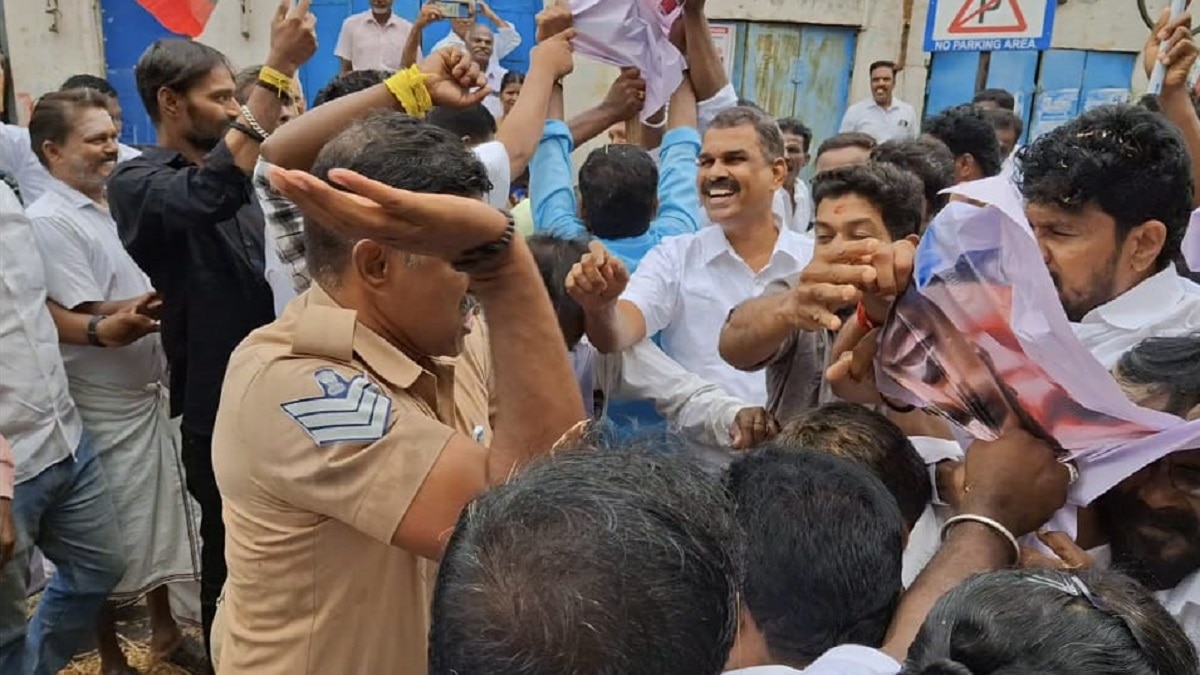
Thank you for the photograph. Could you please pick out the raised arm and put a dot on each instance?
(449, 71)
(507, 37)
(537, 397)
(1176, 98)
(550, 61)
(704, 64)
(430, 13)
(678, 199)
(622, 102)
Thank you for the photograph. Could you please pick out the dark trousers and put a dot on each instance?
(202, 484)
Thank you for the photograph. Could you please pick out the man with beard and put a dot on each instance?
(688, 284)
(883, 116)
(1152, 518)
(373, 40)
(186, 213)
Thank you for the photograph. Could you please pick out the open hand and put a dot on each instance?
(442, 226)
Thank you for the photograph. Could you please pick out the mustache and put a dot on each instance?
(721, 184)
(1158, 547)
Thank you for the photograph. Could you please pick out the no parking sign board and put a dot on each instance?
(989, 25)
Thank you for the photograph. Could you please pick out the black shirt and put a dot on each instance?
(198, 233)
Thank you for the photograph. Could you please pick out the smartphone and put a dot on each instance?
(456, 9)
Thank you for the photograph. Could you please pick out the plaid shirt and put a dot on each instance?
(285, 226)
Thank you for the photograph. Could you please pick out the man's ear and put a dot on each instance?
(370, 262)
(1147, 242)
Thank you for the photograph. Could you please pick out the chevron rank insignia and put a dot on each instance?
(347, 411)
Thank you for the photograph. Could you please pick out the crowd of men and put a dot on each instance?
(385, 386)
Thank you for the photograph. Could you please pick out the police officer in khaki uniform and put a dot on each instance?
(353, 430)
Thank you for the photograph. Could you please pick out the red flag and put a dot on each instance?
(186, 17)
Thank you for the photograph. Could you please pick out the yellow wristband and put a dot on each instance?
(276, 80)
(408, 86)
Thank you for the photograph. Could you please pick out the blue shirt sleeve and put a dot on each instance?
(678, 198)
(551, 188)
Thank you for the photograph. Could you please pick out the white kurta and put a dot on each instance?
(120, 394)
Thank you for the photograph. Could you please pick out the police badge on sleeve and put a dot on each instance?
(347, 411)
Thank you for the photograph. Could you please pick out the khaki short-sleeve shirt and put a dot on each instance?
(324, 436)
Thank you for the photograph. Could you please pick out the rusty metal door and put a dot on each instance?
(798, 71)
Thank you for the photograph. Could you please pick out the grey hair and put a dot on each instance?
(770, 138)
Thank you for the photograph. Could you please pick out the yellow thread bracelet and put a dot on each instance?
(276, 80)
(408, 86)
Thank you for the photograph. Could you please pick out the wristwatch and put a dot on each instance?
(93, 337)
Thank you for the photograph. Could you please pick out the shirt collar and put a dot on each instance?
(713, 243)
(384, 359)
(73, 197)
(1141, 305)
(393, 20)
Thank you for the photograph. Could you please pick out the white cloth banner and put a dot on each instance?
(633, 33)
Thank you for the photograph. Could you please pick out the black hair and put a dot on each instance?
(53, 117)
(85, 81)
(591, 562)
(1150, 102)
(1130, 162)
(349, 83)
(396, 150)
(967, 130)
(770, 138)
(1006, 119)
(747, 103)
(870, 440)
(926, 158)
(896, 193)
(177, 64)
(890, 65)
(1003, 99)
(1053, 622)
(555, 257)
(847, 139)
(1166, 366)
(792, 125)
(824, 542)
(618, 188)
(474, 123)
(511, 77)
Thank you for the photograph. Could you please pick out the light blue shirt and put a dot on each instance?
(552, 192)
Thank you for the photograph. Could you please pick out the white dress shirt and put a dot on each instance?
(896, 122)
(18, 160)
(369, 45)
(89, 264)
(507, 39)
(37, 415)
(1165, 305)
(797, 212)
(686, 286)
(691, 405)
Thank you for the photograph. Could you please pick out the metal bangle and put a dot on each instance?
(93, 334)
(254, 135)
(994, 525)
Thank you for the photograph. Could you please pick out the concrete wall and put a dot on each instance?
(42, 58)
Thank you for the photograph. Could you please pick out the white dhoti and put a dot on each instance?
(139, 449)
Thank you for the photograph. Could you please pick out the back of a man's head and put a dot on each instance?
(823, 542)
(618, 189)
(86, 81)
(967, 130)
(473, 124)
(349, 83)
(399, 151)
(870, 440)
(555, 257)
(995, 99)
(926, 158)
(590, 562)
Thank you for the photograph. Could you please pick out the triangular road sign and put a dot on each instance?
(988, 16)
